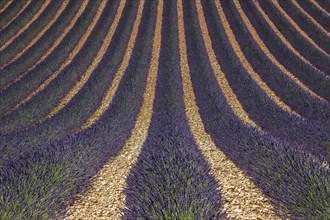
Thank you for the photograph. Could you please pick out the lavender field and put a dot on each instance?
(165, 109)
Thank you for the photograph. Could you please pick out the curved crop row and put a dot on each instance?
(260, 108)
(234, 181)
(12, 12)
(107, 141)
(307, 26)
(33, 34)
(4, 5)
(282, 83)
(116, 77)
(231, 97)
(69, 120)
(90, 69)
(30, 83)
(56, 88)
(261, 44)
(125, 159)
(318, 17)
(259, 156)
(97, 94)
(271, 28)
(322, 6)
(165, 110)
(285, 53)
(31, 13)
(71, 57)
(179, 185)
(14, 72)
(309, 50)
(248, 67)
(48, 131)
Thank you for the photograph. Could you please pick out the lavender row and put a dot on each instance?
(71, 117)
(289, 92)
(295, 38)
(20, 21)
(80, 108)
(22, 40)
(287, 58)
(65, 167)
(324, 4)
(47, 99)
(68, 76)
(319, 16)
(312, 135)
(319, 37)
(10, 12)
(69, 120)
(284, 173)
(170, 170)
(31, 56)
(2, 3)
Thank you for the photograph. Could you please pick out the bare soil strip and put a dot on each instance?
(264, 48)
(27, 25)
(54, 45)
(18, 13)
(6, 6)
(302, 10)
(40, 34)
(296, 26)
(71, 56)
(109, 184)
(236, 47)
(107, 99)
(319, 7)
(242, 199)
(231, 97)
(84, 78)
(283, 38)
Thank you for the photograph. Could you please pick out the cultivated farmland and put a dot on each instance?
(165, 109)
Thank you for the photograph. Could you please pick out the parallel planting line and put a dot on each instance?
(236, 47)
(39, 35)
(310, 18)
(6, 6)
(283, 38)
(18, 13)
(319, 7)
(271, 57)
(26, 26)
(73, 53)
(296, 26)
(236, 186)
(54, 45)
(180, 185)
(114, 171)
(107, 99)
(84, 78)
(231, 97)
(261, 108)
